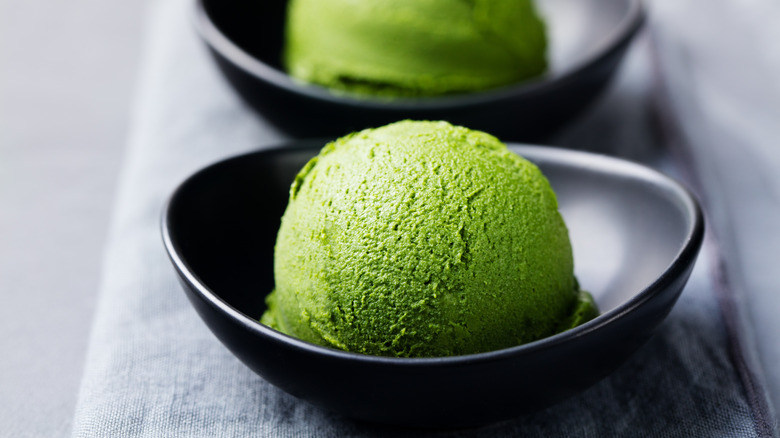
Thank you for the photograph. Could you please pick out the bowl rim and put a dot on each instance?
(685, 256)
(220, 43)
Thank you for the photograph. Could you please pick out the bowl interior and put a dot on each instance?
(635, 235)
(628, 224)
(579, 30)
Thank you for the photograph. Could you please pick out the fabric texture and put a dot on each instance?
(720, 98)
(154, 369)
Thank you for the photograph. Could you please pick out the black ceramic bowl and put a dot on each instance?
(588, 40)
(636, 235)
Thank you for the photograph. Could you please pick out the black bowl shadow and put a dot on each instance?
(588, 39)
(635, 232)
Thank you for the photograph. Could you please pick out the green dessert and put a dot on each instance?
(421, 239)
(414, 47)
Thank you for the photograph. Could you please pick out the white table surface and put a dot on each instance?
(67, 74)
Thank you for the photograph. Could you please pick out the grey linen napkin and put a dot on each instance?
(154, 370)
(720, 96)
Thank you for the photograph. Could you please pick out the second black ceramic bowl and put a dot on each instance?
(635, 233)
(588, 40)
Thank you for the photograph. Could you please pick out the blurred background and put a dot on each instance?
(67, 73)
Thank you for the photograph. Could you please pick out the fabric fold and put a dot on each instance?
(153, 368)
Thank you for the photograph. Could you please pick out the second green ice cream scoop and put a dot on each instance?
(414, 47)
(423, 239)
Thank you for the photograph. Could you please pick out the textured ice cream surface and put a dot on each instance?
(423, 239)
(414, 47)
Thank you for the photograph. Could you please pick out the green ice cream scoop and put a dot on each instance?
(414, 47)
(423, 239)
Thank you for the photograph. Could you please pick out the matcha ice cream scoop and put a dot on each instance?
(414, 47)
(423, 239)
